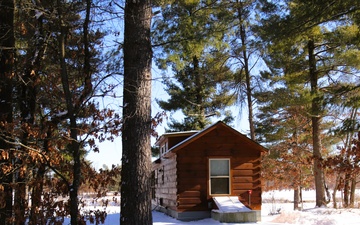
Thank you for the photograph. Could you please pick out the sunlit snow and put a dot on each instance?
(276, 209)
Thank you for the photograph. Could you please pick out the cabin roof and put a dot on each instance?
(211, 128)
(175, 134)
(203, 132)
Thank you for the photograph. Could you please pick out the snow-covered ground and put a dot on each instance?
(276, 209)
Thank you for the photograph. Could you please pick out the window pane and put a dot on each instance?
(219, 185)
(219, 167)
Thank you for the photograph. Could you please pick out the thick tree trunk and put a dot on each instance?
(316, 130)
(7, 44)
(136, 157)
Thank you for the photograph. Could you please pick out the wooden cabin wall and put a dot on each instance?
(246, 176)
(192, 180)
(165, 182)
(192, 173)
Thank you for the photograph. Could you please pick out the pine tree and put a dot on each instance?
(312, 38)
(50, 106)
(199, 91)
(190, 38)
(243, 56)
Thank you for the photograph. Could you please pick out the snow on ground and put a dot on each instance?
(277, 209)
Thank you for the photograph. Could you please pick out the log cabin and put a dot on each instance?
(195, 167)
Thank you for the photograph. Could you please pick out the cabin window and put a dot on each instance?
(153, 184)
(219, 170)
(162, 171)
(164, 148)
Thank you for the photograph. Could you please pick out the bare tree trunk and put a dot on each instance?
(27, 104)
(346, 189)
(74, 104)
(335, 189)
(316, 131)
(297, 198)
(245, 57)
(74, 146)
(7, 44)
(136, 157)
(352, 192)
(199, 91)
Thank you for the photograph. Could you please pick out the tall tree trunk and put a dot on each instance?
(74, 104)
(316, 130)
(7, 44)
(199, 94)
(136, 157)
(354, 175)
(28, 107)
(336, 186)
(245, 57)
(352, 191)
(27, 102)
(74, 146)
(346, 189)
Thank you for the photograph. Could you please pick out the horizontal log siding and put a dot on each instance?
(166, 185)
(246, 176)
(192, 180)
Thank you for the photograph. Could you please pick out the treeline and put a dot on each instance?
(52, 68)
(292, 65)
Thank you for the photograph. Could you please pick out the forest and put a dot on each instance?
(74, 74)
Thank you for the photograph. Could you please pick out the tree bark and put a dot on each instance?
(352, 191)
(346, 189)
(7, 45)
(336, 187)
(297, 197)
(316, 130)
(136, 157)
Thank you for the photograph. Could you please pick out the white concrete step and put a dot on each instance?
(230, 204)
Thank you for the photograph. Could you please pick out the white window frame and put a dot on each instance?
(229, 175)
